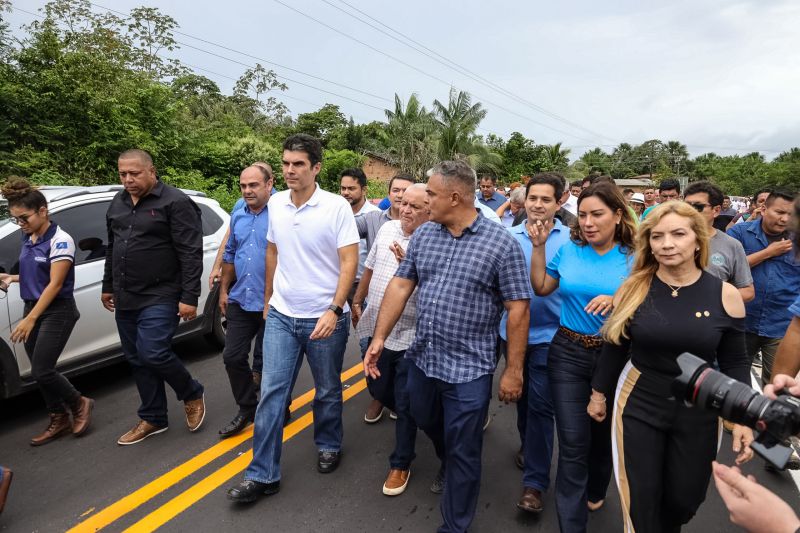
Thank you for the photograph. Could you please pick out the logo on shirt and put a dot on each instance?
(61, 246)
(717, 259)
(40, 259)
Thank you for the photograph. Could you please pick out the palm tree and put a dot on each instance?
(677, 154)
(411, 136)
(456, 125)
(557, 157)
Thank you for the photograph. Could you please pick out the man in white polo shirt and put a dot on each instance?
(312, 255)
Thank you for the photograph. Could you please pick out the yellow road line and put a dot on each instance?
(202, 488)
(127, 504)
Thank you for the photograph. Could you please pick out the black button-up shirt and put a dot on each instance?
(155, 249)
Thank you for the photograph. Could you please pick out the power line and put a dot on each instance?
(439, 58)
(367, 45)
(260, 59)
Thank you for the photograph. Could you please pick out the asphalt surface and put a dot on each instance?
(176, 481)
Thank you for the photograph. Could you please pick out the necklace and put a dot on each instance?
(674, 289)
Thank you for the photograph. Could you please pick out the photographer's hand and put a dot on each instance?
(742, 437)
(752, 506)
(780, 382)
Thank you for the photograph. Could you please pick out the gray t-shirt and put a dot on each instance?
(727, 260)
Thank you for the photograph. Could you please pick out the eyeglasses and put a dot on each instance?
(700, 207)
(21, 219)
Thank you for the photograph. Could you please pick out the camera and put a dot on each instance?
(774, 420)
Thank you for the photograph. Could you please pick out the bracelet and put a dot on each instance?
(591, 399)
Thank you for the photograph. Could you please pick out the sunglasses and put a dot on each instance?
(698, 206)
(21, 219)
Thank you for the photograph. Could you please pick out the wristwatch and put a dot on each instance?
(336, 309)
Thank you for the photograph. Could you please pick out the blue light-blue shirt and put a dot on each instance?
(545, 311)
(776, 282)
(494, 202)
(246, 250)
(583, 275)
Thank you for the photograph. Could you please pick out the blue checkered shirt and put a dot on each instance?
(462, 283)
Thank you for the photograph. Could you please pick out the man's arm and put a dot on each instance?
(748, 293)
(348, 264)
(361, 224)
(518, 324)
(361, 294)
(107, 290)
(187, 239)
(271, 265)
(216, 269)
(394, 301)
(775, 249)
(226, 280)
(787, 358)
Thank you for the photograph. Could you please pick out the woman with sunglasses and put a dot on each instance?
(46, 279)
(587, 270)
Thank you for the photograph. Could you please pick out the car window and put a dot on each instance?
(211, 220)
(10, 246)
(87, 226)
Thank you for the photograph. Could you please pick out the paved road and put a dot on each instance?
(177, 480)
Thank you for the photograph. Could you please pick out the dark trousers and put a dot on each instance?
(584, 446)
(44, 346)
(535, 415)
(146, 336)
(453, 415)
(242, 327)
(664, 452)
(391, 389)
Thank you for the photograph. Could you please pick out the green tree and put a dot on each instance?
(322, 123)
(410, 136)
(557, 157)
(333, 163)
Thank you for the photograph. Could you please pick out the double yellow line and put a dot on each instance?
(199, 490)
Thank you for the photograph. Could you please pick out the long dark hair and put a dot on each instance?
(610, 195)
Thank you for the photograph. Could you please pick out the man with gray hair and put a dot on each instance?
(514, 206)
(463, 266)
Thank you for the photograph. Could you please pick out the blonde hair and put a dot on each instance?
(634, 290)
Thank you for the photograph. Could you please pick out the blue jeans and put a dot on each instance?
(146, 337)
(453, 414)
(584, 446)
(537, 412)
(285, 339)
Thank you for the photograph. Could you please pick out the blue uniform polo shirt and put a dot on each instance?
(545, 310)
(776, 282)
(246, 249)
(494, 202)
(35, 260)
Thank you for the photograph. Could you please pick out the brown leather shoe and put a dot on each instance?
(59, 425)
(195, 412)
(396, 482)
(82, 415)
(531, 501)
(5, 483)
(374, 412)
(140, 431)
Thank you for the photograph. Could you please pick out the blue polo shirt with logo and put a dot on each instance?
(35, 259)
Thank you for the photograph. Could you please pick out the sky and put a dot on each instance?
(720, 76)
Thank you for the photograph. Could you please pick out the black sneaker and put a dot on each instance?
(437, 487)
(327, 462)
(248, 491)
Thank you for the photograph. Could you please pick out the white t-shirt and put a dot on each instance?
(308, 239)
(571, 205)
(487, 211)
(362, 245)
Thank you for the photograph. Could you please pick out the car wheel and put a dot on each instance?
(218, 323)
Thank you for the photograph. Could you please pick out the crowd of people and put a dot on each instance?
(588, 291)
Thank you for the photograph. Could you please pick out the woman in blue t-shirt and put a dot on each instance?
(46, 278)
(587, 270)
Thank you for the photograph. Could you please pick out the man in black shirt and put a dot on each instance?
(152, 275)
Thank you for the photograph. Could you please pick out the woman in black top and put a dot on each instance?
(663, 449)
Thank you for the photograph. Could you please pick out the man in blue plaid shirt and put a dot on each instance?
(467, 270)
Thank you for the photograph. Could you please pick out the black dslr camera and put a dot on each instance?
(774, 420)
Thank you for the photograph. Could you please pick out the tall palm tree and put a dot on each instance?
(457, 122)
(677, 154)
(411, 136)
(557, 157)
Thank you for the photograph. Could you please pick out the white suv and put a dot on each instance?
(81, 211)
